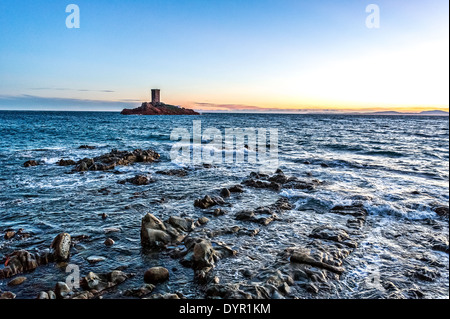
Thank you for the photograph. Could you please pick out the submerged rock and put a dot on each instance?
(138, 180)
(156, 275)
(30, 163)
(174, 172)
(63, 162)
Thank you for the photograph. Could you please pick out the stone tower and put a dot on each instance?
(156, 96)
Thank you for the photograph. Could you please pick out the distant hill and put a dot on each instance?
(435, 112)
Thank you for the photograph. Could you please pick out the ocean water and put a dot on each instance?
(396, 166)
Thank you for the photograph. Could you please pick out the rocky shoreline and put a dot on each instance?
(314, 267)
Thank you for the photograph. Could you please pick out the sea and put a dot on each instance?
(397, 167)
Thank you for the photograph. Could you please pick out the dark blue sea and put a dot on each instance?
(397, 167)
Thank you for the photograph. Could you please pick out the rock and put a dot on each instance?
(335, 234)
(153, 232)
(116, 158)
(245, 215)
(22, 261)
(158, 108)
(63, 162)
(62, 290)
(9, 234)
(205, 203)
(317, 259)
(17, 281)
(108, 230)
(218, 212)
(225, 192)
(236, 189)
(104, 216)
(185, 224)
(7, 295)
(203, 220)
(109, 242)
(95, 259)
(200, 254)
(164, 296)
(61, 246)
(51, 294)
(442, 211)
(140, 292)
(156, 275)
(262, 184)
(174, 172)
(138, 180)
(43, 295)
(95, 283)
(426, 274)
(30, 163)
(356, 210)
(86, 147)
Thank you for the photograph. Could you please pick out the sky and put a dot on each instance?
(225, 55)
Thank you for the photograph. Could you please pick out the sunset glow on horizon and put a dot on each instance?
(226, 56)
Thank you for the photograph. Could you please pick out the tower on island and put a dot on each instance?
(156, 96)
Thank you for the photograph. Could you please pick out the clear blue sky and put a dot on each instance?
(225, 54)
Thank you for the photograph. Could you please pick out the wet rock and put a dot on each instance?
(426, 274)
(61, 246)
(442, 211)
(62, 290)
(164, 296)
(7, 295)
(356, 210)
(185, 224)
(140, 292)
(30, 163)
(51, 294)
(9, 234)
(174, 172)
(86, 147)
(23, 261)
(335, 234)
(218, 212)
(95, 259)
(17, 281)
(262, 215)
(43, 295)
(104, 216)
(200, 254)
(316, 258)
(154, 232)
(95, 283)
(156, 275)
(138, 180)
(116, 158)
(225, 192)
(63, 162)
(236, 189)
(203, 220)
(109, 242)
(262, 184)
(208, 202)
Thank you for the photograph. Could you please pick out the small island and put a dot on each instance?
(156, 107)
